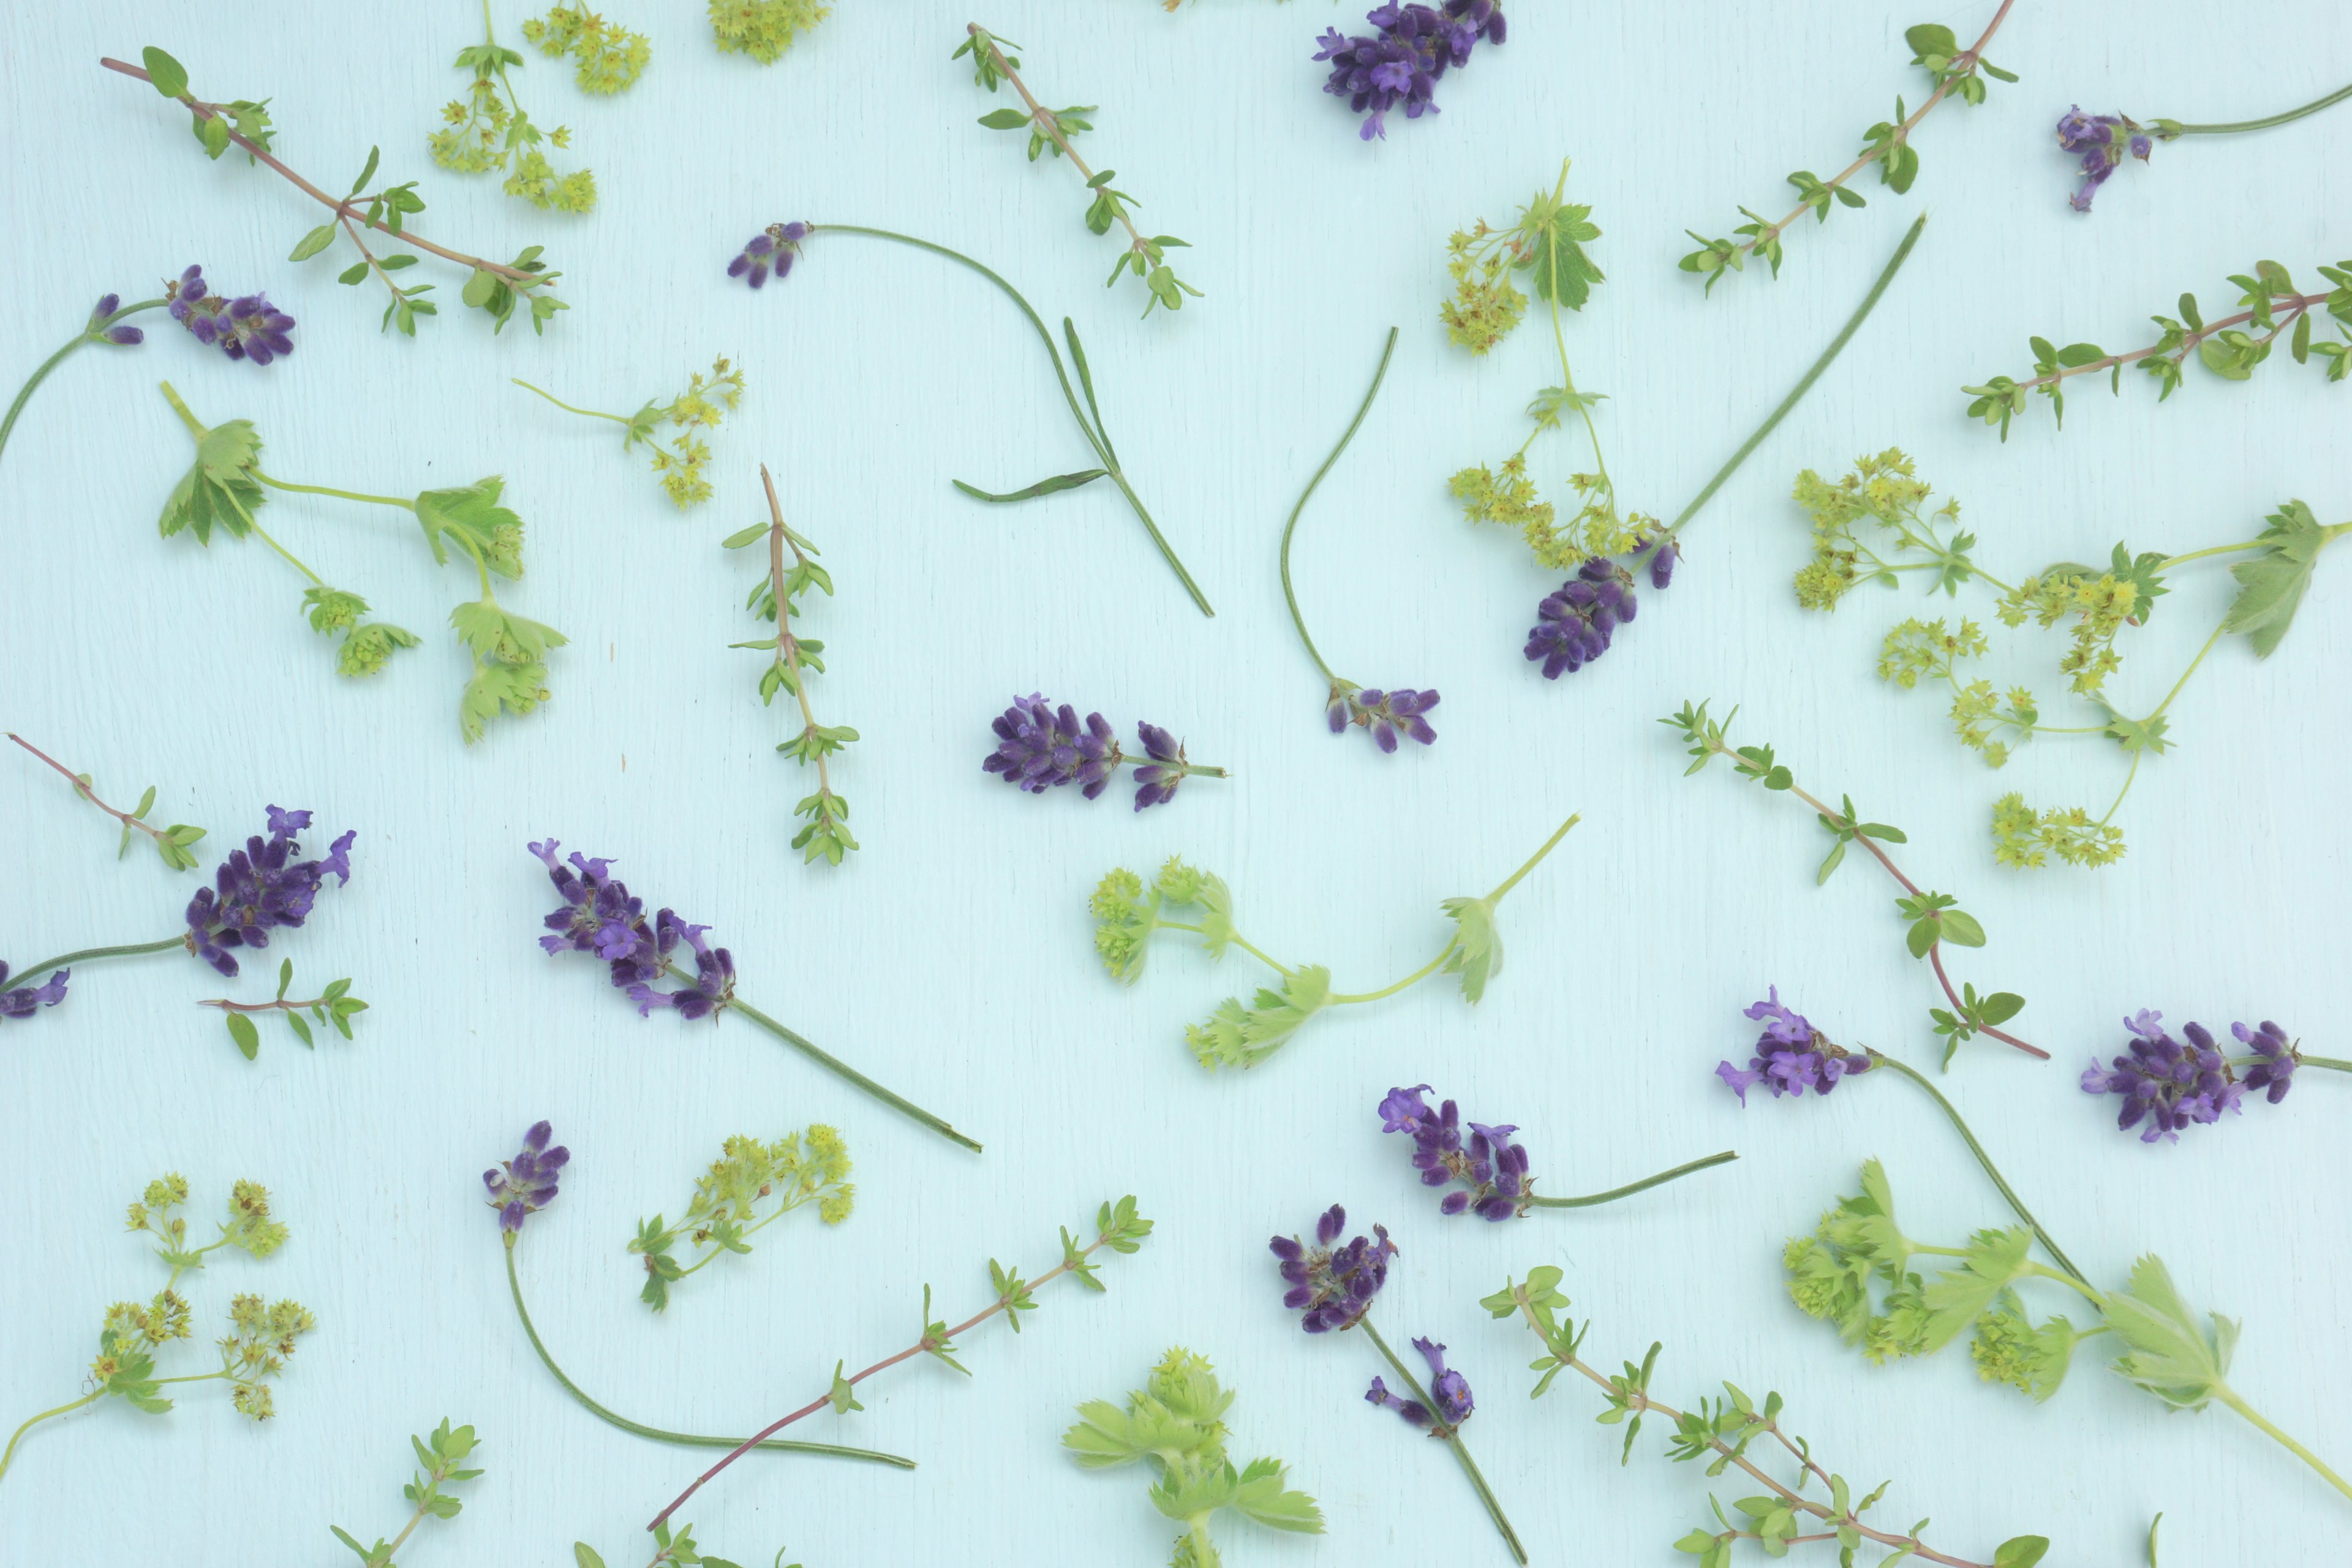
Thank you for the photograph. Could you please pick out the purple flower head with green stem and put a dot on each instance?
(260, 889)
(713, 986)
(2171, 1084)
(2103, 140)
(103, 313)
(770, 250)
(1448, 1387)
(246, 328)
(525, 1184)
(1330, 1285)
(1791, 1054)
(1384, 714)
(1040, 746)
(1492, 1168)
(24, 1000)
(1402, 59)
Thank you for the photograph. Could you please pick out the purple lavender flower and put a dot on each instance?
(1791, 1055)
(247, 328)
(121, 336)
(2274, 1073)
(525, 1184)
(1574, 626)
(1662, 561)
(713, 986)
(2171, 1084)
(22, 1002)
(1386, 714)
(1448, 1387)
(1412, 1410)
(1332, 1287)
(1494, 1169)
(1400, 61)
(1041, 747)
(2103, 140)
(260, 889)
(771, 249)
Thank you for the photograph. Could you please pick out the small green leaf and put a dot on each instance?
(1960, 928)
(317, 240)
(1004, 119)
(2021, 1551)
(247, 1037)
(1042, 488)
(169, 76)
(584, 1556)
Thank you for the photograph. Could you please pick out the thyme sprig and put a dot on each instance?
(170, 843)
(442, 1457)
(493, 288)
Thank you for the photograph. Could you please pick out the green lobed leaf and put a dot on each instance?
(2271, 584)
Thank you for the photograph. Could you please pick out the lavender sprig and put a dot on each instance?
(2105, 140)
(2173, 1084)
(774, 248)
(602, 917)
(1331, 1285)
(527, 1185)
(1399, 62)
(1040, 747)
(1385, 714)
(1492, 1169)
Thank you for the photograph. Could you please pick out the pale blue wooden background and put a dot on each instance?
(951, 957)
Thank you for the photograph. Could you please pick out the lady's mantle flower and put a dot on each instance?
(1387, 714)
(600, 917)
(1495, 1168)
(2171, 1084)
(121, 336)
(1399, 62)
(260, 889)
(525, 1184)
(1041, 747)
(770, 250)
(2103, 140)
(1574, 626)
(248, 327)
(1448, 1387)
(1332, 1287)
(1791, 1055)
(24, 1000)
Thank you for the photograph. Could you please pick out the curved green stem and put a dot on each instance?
(683, 1439)
(2169, 128)
(1643, 1186)
(2169, 562)
(1453, 1439)
(93, 333)
(1837, 345)
(2230, 1397)
(2128, 777)
(1378, 375)
(1881, 1059)
(25, 976)
(590, 413)
(61, 1410)
(253, 526)
(2068, 1281)
(1096, 436)
(1533, 860)
(277, 484)
(2185, 675)
(848, 1074)
(1342, 998)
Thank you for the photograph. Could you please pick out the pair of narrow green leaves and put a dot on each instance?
(334, 1007)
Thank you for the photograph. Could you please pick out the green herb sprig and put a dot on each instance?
(672, 1549)
(1116, 1226)
(1723, 1431)
(261, 1337)
(776, 598)
(1886, 145)
(488, 131)
(1144, 257)
(224, 490)
(1930, 919)
(796, 1169)
(492, 287)
(1175, 1424)
(171, 844)
(683, 463)
(334, 1007)
(1873, 526)
(442, 1457)
(1127, 918)
(2272, 307)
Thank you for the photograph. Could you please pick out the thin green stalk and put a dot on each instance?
(683, 1439)
(25, 976)
(93, 333)
(1378, 375)
(1533, 860)
(2230, 1397)
(2185, 675)
(1238, 940)
(842, 1070)
(1342, 998)
(61, 1410)
(1881, 1059)
(252, 524)
(2331, 1063)
(590, 413)
(2169, 562)
(1096, 436)
(2130, 774)
(1643, 1186)
(1453, 1438)
(1837, 345)
(277, 484)
(2169, 128)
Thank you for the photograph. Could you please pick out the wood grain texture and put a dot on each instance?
(951, 958)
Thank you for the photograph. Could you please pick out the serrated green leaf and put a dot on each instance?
(2271, 584)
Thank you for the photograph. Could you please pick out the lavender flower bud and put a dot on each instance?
(525, 1184)
(24, 1000)
(1791, 1055)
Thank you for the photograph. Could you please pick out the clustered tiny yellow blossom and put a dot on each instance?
(683, 463)
(763, 29)
(1882, 489)
(2023, 839)
(1486, 306)
(607, 59)
(2102, 606)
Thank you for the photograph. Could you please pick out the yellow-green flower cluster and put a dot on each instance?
(1508, 497)
(2102, 606)
(1486, 306)
(485, 131)
(797, 1167)
(2024, 838)
(701, 406)
(258, 1350)
(607, 59)
(1882, 489)
(763, 29)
